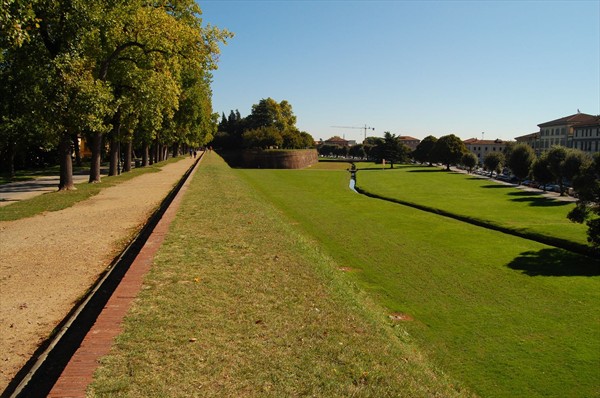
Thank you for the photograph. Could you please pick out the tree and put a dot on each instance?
(574, 162)
(262, 137)
(520, 160)
(448, 150)
(469, 160)
(493, 162)
(269, 112)
(357, 151)
(556, 161)
(111, 66)
(17, 19)
(587, 185)
(541, 171)
(268, 118)
(423, 151)
(21, 123)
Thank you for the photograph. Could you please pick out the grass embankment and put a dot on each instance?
(54, 201)
(481, 200)
(506, 316)
(239, 304)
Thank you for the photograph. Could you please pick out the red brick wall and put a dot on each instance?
(279, 159)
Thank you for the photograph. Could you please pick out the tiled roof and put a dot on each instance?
(591, 123)
(577, 118)
(527, 136)
(475, 141)
(408, 138)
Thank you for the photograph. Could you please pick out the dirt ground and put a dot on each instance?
(48, 262)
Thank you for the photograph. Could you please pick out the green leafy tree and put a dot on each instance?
(327, 150)
(574, 162)
(277, 117)
(393, 151)
(541, 171)
(423, 151)
(263, 137)
(269, 112)
(587, 185)
(520, 160)
(21, 120)
(469, 160)
(448, 150)
(556, 162)
(493, 162)
(357, 151)
(17, 19)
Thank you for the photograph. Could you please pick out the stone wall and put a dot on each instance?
(271, 159)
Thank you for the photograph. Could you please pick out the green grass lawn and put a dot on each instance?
(504, 315)
(476, 198)
(240, 303)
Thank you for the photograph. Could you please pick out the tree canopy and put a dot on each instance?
(424, 151)
(270, 124)
(448, 150)
(520, 159)
(390, 149)
(135, 70)
(493, 162)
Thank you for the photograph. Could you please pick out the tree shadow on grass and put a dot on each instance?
(540, 201)
(555, 262)
(497, 186)
(476, 178)
(525, 193)
(432, 170)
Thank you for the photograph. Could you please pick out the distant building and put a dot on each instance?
(533, 140)
(560, 131)
(586, 136)
(482, 147)
(339, 141)
(409, 141)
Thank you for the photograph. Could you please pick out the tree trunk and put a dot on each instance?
(127, 157)
(156, 151)
(10, 159)
(114, 156)
(165, 152)
(175, 149)
(96, 158)
(66, 164)
(77, 150)
(145, 160)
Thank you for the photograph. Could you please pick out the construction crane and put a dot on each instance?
(365, 128)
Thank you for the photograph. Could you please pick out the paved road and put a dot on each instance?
(23, 190)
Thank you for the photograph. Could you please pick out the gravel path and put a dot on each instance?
(49, 261)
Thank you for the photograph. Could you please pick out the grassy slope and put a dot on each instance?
(507, 316)
(272, 315)
(476, 197)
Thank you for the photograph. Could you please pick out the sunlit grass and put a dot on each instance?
(476, 198)
(506, 316)
(239, 303)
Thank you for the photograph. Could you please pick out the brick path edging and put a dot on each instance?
(78, 373)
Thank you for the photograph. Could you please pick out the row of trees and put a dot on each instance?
(124, 72)
(377, 149)
(270, 124)
(558, 165)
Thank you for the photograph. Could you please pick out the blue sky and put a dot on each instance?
(411, 67)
